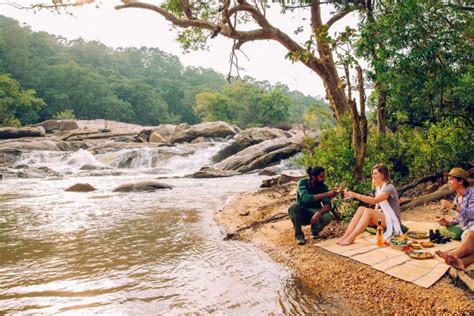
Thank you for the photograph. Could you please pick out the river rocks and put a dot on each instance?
(181, 127)
(208, 172)
(81, 187)
(210, 129)
(262, 154)
(9, 155)
(40, 172)
(155, 137)
(12, 132)
(249, 137)
(62, 125)
(270, 171)
(44, 145)
(49, 125)
(142, 186)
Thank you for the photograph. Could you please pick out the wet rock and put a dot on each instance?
(247, 138)
(41, 172)
(93, 167)
(208, 172)
(81, 187)
(217, 129)
(200, 140)
(13, 132)
(142, 186)
(270, 171)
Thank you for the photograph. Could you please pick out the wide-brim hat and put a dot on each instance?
(458, 173)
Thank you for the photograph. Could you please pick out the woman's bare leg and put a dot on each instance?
(354, 221)
(370, 216)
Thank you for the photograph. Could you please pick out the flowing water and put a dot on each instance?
(133, 253)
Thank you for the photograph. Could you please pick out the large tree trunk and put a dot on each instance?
(359, 127)
(381, 102)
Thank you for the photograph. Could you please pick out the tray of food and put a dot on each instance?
(417, 235)
(420, 255)
(426, 244)
(399, 242)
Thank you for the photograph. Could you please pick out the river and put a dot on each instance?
(149, 253)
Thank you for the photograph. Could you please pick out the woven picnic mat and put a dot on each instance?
(394, 262)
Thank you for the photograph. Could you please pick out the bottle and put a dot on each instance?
(380, 241)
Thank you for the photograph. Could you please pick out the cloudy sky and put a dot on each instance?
(137, 27)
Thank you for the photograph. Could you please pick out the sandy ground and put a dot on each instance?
(332, 277)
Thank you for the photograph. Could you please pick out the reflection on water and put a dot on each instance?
(133, 253)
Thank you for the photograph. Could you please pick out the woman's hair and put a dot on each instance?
(383, 170)
(314, 171)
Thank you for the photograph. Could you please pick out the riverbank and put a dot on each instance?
(329, 276)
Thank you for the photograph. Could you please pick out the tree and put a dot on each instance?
(421, 55)
(17, 106)
(213, 106)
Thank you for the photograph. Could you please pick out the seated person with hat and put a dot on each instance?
(462, 227)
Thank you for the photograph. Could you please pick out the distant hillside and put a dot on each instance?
(88, 80)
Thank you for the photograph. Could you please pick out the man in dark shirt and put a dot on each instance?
(313, 204)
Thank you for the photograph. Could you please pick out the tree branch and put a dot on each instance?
(336, 17)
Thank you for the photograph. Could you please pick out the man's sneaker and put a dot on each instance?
(313, 236)
(300, 240)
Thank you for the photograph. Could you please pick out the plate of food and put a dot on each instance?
(399, 242)
(417, 235)
(426, 244)
(420, 255)
(415, 245)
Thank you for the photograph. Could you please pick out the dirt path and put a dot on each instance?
(333, 277)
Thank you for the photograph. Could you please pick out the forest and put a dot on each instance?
(43, 76)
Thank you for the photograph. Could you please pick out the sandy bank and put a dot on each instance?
(328, 275)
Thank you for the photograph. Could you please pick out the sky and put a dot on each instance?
(138, 27)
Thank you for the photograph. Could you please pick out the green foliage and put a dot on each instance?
(408, 152)
(335, 153)
(421, 53)
(17, 106)
(67, 114)
(213, 106)
(138, 85)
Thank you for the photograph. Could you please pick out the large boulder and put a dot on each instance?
(262, 154)
(217, 129)
(13, 132)
(208, 172)
(147, 185)
(165, 130)
(156, 137)
(80, 187)
(40, 172)
(49, 125)
(44, 145)
(67, 125)
(247, 138)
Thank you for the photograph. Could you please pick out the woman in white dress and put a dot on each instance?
(387, 208)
